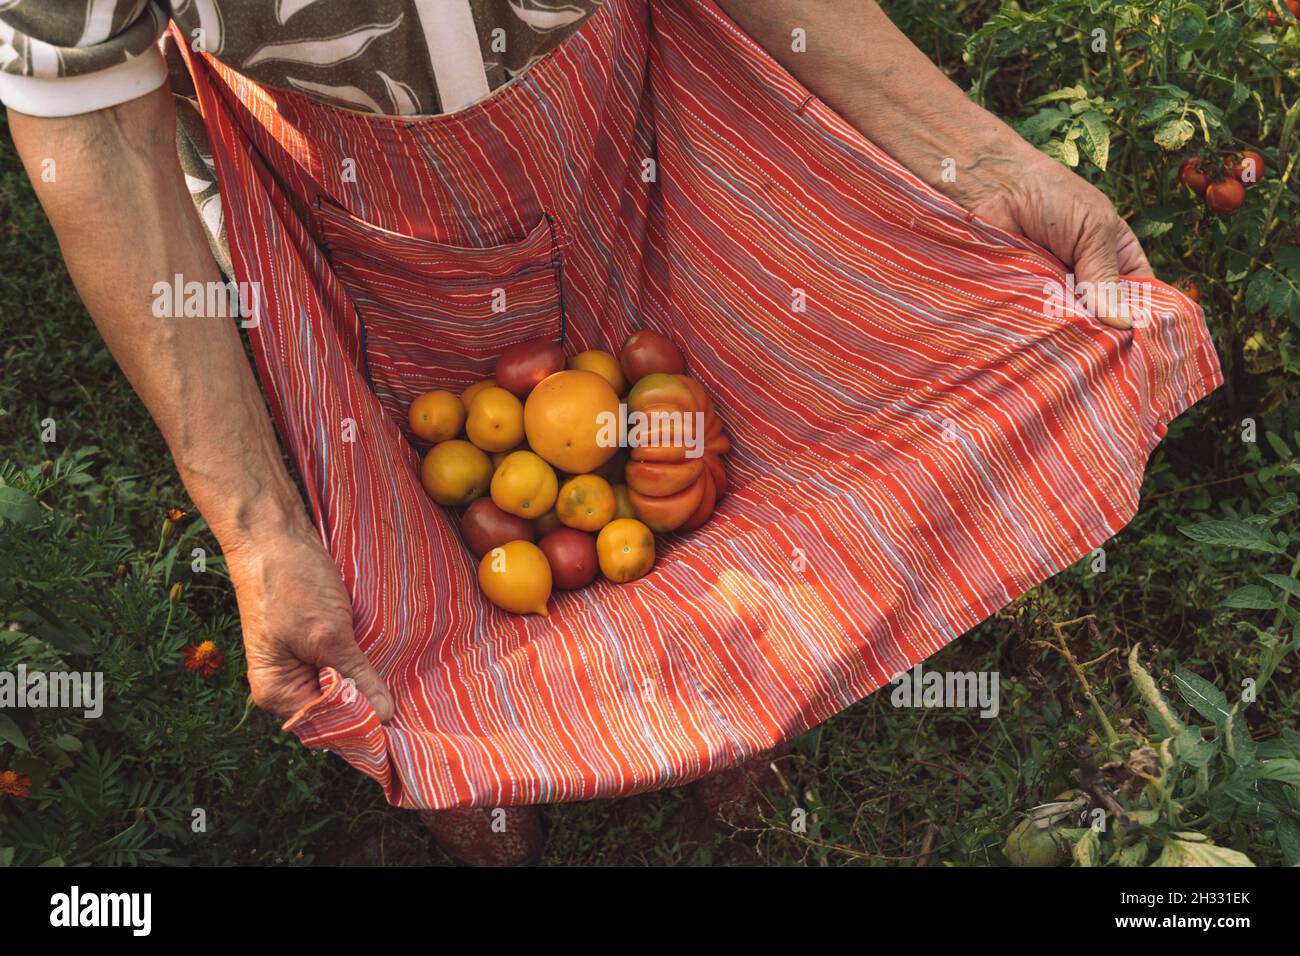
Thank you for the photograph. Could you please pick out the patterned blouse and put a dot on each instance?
(65, 57)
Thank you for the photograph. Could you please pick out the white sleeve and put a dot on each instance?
(78, 56)
(71, 95)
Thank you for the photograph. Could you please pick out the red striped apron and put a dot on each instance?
(917, 441)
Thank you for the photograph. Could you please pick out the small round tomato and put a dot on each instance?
(522, 366)
(1188, 288)
(572, 557)
(1225, 196)
(485, 526)
(1194, 174)
(648, 351)
(626, 548)
(1294, 7)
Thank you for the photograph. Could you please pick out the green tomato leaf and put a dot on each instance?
(1251, 597)
(1285, 770)
(1174, 134)
(1290, 585)
(18, 507)
(1186, 853)
(1231, 534)
(11, 735)
(1202, 696)
(1096, 140)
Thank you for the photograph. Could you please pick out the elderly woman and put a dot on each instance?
(231, 151)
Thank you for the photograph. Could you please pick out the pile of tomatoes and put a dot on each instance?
(1223, 184)
(564, 471)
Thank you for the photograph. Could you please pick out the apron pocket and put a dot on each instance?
(434, 315)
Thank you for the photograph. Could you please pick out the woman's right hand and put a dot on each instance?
(297, 618)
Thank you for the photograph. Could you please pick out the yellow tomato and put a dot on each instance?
(572, 421)
(516, 577)
(524, 485)
(467, 396)
(496, 420)
(604, 365)
(455, 472)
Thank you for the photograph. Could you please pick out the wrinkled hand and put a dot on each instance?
(1060, 211)
(297, 618)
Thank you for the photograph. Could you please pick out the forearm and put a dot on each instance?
(124, 220)
(865, 69)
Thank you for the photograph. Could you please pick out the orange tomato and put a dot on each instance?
(626, 548)
(586, 502)
(436, 416)
(571, 419)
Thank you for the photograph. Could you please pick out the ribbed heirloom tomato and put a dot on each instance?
(676, 474)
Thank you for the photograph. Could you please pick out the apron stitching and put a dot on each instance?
(557, 263)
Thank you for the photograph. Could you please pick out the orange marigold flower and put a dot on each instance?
(16, 785)
(173, 517)
(206, 658)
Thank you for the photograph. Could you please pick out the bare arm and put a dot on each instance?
(124, 219)
(865, 69)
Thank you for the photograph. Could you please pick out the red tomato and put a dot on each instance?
(647, 351)
(1194, 175)
(522, 366)
(572, 556)
(1248, 167)
(1189, 288)
(1225, 197)
(1294, 7)
(485, 526)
